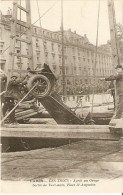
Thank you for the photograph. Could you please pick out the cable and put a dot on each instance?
(35, 22)
(43, 50)
(20, 42)
(46, 12)
(114, 21)
(95, 56)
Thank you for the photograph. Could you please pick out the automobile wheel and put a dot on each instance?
(42, 88)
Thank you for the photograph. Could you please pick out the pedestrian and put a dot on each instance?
(118, 77)
(79, 95)
(87, 97)
(12, 95)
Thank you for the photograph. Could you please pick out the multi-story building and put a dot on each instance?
(79, 54)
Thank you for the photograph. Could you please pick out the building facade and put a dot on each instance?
(79, 54)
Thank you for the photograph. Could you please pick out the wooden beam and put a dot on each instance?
(23, 24)
(22, 8)
(49, 131)
(82, 127)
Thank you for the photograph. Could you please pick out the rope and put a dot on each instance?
(43, 57)
(35, 22)
(20, 41)
(117, 45)
(17, 104)
(95, 56)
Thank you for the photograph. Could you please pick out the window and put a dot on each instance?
(18, 52)
(37, 44)
(60, 70)
(38, 54)
(73, 49)
(53, 55)
(45, 45)
(37, 58)
(54, 67)
(59, 59)
(46, 54)
(59, 48)
(74, 58)
(52, 45)
(35, 30)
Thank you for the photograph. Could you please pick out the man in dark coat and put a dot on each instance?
(13, 94)
(112, 88)
(118, 77)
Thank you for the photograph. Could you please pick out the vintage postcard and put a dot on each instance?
(61, 74)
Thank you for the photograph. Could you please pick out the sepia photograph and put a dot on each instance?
(61, 92)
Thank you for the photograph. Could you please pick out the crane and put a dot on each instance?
(115, 47)
(14, 38)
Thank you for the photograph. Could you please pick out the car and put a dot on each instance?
(45, 80)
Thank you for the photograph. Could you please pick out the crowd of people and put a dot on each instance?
(86, 88)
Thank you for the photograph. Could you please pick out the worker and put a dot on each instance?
(12, 95)
(119, 90)
(112, 88)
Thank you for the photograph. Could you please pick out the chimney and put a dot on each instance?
(69, 29)
(74, 31)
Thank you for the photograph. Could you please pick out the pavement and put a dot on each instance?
(83, 159)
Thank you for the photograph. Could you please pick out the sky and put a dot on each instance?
(79, 15)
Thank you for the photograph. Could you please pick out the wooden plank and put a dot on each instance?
(59, 133)
(25, 112)
(27, 115)
(102, 115)
(22, 8)
(41, 121)
(57, 126)
(21, 23)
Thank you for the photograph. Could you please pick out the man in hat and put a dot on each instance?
(118, 77)
(13, 94)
